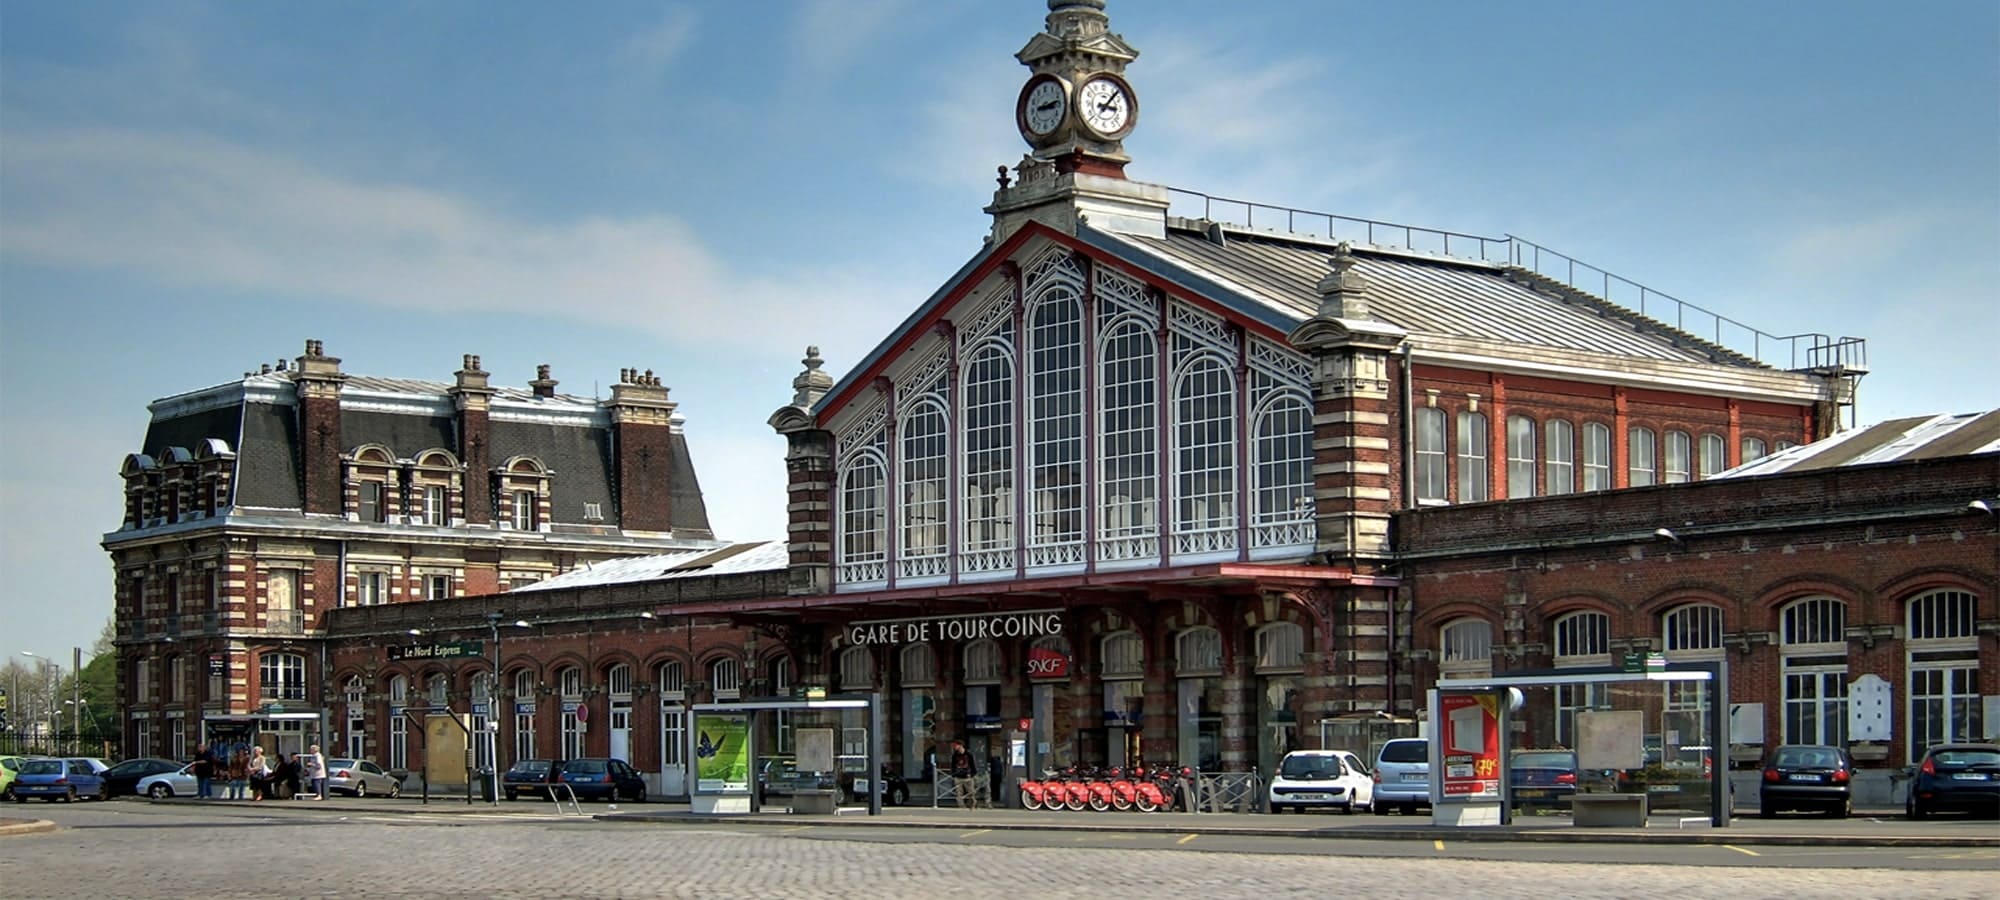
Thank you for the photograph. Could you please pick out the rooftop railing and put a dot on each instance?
(1807, 350)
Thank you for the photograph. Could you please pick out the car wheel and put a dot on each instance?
(69, 796)
(360, 788)
(103, 792)
(1766, 811)
(1347, 809)
(1841, 810)
(1379, 809)
(395, 789)
(513, 795)
(159, 791)
(1917, 810)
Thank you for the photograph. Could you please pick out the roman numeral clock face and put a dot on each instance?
(1105, 106)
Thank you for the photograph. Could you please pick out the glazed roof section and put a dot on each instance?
(734, 559)
(1426, 295)
(1894, 440)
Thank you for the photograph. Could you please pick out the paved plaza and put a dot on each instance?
(133, 849)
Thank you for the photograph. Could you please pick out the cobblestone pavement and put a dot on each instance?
(111, 855)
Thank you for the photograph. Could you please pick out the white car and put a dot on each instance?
(1321, 778)
(169, 784)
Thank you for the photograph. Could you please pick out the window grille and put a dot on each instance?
(924, 474)
(1127, 436)
(1282, 471)
(1055, 437)
(987, 507)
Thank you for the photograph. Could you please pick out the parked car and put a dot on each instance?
(1955, 776)
(9, 767)
(779, 776)
(1403, 776)
(178, 783)
(603, 779)
(1333, 779)
(1542, 778)
(530, 776)
(1807, 776)
(360, 777)
(60, 779)
(123, 778)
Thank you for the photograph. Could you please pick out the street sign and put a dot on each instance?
(437, 650)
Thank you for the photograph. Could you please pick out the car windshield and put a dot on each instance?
(531, 767)
(1970, 757)
(1310, 765)
(1406, 752)
(584, 767)
(1564, 760)
(1807, 758)
(42, 767)
(340, 763)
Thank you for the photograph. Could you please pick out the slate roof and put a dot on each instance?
(1894, 440)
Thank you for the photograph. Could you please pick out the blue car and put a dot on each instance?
(62, 779)
(603, 779)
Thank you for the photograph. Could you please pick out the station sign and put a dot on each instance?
(968, 627)
(437, 650)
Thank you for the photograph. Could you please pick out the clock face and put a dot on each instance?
(1044, 105)
(1105, 106)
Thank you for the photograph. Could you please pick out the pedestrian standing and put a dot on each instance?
(315, 771)
(260, 774)
(204, 773)
(964, 785)
(239, 770)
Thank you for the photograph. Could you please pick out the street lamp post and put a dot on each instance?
(493, 705)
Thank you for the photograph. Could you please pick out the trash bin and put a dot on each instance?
(485, 780)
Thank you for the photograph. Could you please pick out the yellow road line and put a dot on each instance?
(975, 833)
(1438, 844)
(1188, 838)
(1741, 850)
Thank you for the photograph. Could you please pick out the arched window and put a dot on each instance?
(857, 669)
(1596, 457)
(1581, 639)
(1473, 479)
(1281, 647)
(399, 735)
(1813, 641)
(1128, 436)
(1714, 454)
(725, 678)
(1204, 458)
(1124, 691)
(919, 666)
(439, 689)
(982, 662)
(1680, 455)
(1692, 631)
(618, 682)
(524, 715)
(1642, 463)
(570, 684)
(355, 693)
(1433, 482)
(1521, 456)
(924, 443)
(987, 507)
(1055, 428)
(1466, 649)
(1560, 451)
(1282, 471)
(1124, 655)
(1198, 651)
(672, 681)
(1753, 449)
(863, 539)
(1942, 658)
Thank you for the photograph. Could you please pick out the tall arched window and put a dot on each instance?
(1714, 454)
(1581, 639)
(1280, 667)
(1813, 643)
(1753, 449)
(864, 545)
(1520, 456)
(1055, 428)
(1560, 450)
(725, 678)
(857, 669)
(1473, 479)
(1680, 456)
(1127, 443)
(924, 476)
(1642, 457)
(524, 714)
(1466, 649)
(1689, 632)
(569, 682)
(1433, 482)
(399, 735)
(355, 693)
(918, 669)
(987, 507)
(1942, 658)
(1204, 458)
(1199, 701)
(1596, 457)
(1282, 472)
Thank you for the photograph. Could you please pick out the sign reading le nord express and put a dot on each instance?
(438, 650)
(970, 627)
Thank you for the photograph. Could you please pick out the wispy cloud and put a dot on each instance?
(201, 210)
(654, 48)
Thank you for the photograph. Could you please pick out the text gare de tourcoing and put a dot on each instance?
(956, 628)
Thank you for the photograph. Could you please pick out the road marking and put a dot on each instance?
(975, 833)
(1188, 838)
(1439, 845)
(1741, 850)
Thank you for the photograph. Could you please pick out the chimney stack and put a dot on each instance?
(473, 398)
(318, 379)
(543, 386)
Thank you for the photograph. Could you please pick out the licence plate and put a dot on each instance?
(861, 785)
(1416, 776)
(1968, 776)
(1313, 797)
(1805, 778)
(1531, 792)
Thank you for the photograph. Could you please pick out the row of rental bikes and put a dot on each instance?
(1161, 789)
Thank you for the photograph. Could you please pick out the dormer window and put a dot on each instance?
(370, 503)
(524, 510)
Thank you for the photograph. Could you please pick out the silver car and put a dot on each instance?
(1403, 776)
(179, 783)
(360, 777)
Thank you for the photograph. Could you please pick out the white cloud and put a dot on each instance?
(654, 48)
(203, 211)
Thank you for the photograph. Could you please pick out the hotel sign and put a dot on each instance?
(970, 627)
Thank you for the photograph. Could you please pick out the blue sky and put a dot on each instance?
(703, 189)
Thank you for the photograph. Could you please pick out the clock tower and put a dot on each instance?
(1075, 111)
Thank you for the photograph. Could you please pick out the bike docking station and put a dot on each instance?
(723, 745)
(1625, 770)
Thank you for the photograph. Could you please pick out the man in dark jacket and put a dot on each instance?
(204, 772)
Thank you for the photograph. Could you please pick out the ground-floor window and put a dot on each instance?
(1054, 728)
(673, 736)
(919, 722)
(1277, 720)
(1200, 706)
(177, 738)
(1944, 705)
(1816, 705)
(524, 730)
(399, 743)
(482, 748)
(572, 731)
(1124, 717)
(142, 737)
(1572, 699)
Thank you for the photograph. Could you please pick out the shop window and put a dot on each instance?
(1432, 481)
(1473, 477)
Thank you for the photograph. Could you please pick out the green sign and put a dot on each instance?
(722, 752)
(438, 650)
(1641, 661)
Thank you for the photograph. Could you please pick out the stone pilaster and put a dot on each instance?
(809, 480)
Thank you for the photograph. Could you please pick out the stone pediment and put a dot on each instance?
(1045, 45)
